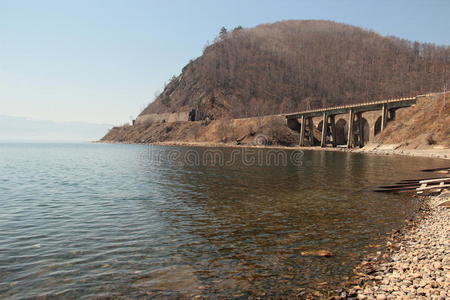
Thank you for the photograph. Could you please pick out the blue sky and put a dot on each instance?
(103, 61)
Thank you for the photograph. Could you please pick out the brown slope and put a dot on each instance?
(424, 125)
(293, 65)
(271, 129)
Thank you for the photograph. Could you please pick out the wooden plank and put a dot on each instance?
(436, 180)
(414, 180)
(404, 190)
(433, 187)
(436, 169)
(400, 185)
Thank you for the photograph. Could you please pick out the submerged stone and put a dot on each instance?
(322, 253)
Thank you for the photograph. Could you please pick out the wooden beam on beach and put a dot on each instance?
(414, 180)
(413, 184)
(437, 188)
(436, 180)
(436, 169)
(437, 185)
(416, 185)
(397, 190)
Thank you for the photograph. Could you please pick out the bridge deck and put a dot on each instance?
(361, 107)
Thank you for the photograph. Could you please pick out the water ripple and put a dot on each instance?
(86, 221)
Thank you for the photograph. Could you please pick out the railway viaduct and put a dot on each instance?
(345, 126)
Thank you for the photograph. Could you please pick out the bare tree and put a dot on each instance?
(294, 65)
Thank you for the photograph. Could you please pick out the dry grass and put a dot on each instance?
(229, 131)
(422, 126)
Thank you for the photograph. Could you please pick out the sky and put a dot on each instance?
(20, 129)
(104, 61)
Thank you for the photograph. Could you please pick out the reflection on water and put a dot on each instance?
(83, 221)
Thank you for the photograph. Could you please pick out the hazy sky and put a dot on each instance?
(102, 61)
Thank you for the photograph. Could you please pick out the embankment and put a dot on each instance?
(421, 130)
(269, 130)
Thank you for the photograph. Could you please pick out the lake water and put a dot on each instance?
(99, 220)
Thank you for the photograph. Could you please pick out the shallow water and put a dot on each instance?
(95, 220)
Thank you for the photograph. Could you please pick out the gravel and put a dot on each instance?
(417, 262)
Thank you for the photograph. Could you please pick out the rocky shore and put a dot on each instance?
(398, 149)
(416, 264)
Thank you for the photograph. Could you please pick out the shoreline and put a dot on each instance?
(416, 264)
(377, 149)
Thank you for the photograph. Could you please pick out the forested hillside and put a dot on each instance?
(294, 65)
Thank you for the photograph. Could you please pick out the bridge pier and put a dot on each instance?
(302, 131)
(359, 134)
(333, 129)
(392, 113)
(383, 117)
(351, 118)
(310, 131)
(323, 141)
(364, 122)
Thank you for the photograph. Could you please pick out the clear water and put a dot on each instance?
(98, 220)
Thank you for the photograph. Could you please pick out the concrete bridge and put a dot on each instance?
(345, 126)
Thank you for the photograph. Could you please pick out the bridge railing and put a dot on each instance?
(353, 105)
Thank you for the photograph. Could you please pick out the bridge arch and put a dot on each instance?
(365, 134)
(320, 126)
(341, 132)
(293, 124)
(367, 128)
(377, 127)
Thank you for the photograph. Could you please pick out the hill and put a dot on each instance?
(294, 65)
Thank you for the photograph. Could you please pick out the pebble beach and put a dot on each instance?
(416, 263)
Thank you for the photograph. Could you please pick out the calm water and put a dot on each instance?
(96, 220)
